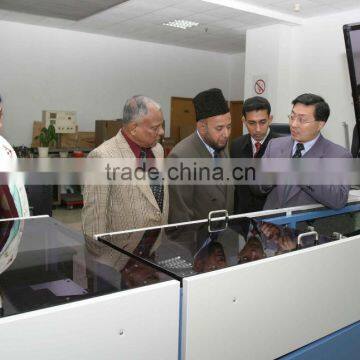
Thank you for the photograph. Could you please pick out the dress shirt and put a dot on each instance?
(136, 149)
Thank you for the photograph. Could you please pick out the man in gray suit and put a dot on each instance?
(309, 115)
(213, 128)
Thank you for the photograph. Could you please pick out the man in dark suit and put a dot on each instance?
(213, 128)
(308, 116)
(257, 119)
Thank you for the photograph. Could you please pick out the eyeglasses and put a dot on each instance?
(300, 118)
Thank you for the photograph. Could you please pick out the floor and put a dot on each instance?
(70, 218)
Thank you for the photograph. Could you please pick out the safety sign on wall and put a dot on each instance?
(260, 85)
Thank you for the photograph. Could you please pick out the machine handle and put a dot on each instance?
(219, 213)
(309, 233)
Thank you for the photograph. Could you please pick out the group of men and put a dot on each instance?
(109, 208)
(112, 208)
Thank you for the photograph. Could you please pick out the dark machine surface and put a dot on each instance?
(195, 248)
(47, 264)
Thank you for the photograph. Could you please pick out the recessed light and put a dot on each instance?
(297, 7)
(181, 24)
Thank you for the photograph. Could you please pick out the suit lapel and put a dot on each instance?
(248, 147)
(145, 189)
(317, 150)
(203, 152)
(264, 145)
(289, 191)
(200, 147)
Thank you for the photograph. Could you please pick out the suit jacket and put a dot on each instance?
(244, 199)
(281, 196)
(119, 207)
(194, 202)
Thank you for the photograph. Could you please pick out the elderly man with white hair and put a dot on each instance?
(109, 208)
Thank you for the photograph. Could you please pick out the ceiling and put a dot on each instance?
(64, 9)
(221, 28)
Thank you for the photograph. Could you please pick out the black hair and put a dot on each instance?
(322, 109)
(256, 103)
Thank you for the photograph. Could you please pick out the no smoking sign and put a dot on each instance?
(260, 86)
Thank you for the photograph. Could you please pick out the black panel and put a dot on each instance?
(352, 42)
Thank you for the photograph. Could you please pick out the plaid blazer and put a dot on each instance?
(109, 208)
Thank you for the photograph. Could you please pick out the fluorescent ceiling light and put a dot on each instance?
(244, 6)
(181, 24)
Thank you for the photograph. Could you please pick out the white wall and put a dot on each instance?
(45, 68)
(261, 60)
(236, 74)
(325, 67)
(306, 58)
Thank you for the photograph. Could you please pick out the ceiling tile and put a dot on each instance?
(195, 5)
(172, 13)
(348, 4)
(202, 18)
(220, 28)
(223, 12)
(67, 9)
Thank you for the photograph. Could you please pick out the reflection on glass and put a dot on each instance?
(252, 250)
(211, 257)
(10, 237)
(191, 249)
(8, 208)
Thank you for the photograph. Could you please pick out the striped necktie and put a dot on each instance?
(299, 147)
(257, 148)
(156, 186)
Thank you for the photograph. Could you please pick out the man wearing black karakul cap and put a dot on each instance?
(213, 128)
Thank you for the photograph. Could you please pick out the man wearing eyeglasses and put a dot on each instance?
(257, 119)
(309, 115)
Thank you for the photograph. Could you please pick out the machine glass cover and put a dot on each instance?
(43, 263)
(195, 248)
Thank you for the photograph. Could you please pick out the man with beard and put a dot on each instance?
(213, 128)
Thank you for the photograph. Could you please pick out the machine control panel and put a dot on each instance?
(63, 121)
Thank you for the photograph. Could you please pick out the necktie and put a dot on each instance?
(143, 158)
(287, 188)
(155, 185)
(257, 147)
(299, 148)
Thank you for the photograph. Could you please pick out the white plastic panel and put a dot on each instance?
(271, 307)
(132, 325)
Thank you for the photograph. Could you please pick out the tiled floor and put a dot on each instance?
(70, 218)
